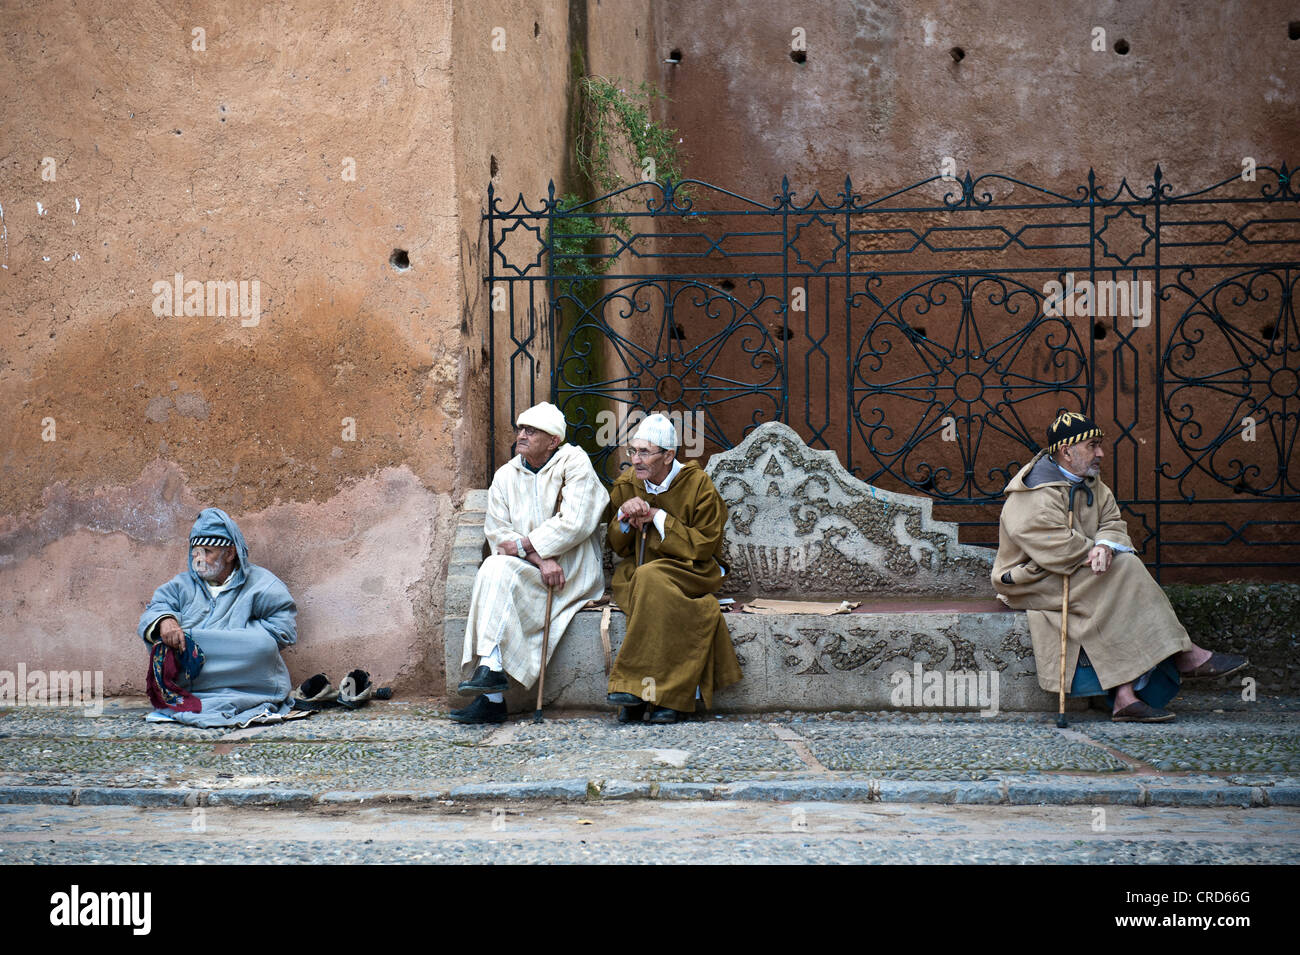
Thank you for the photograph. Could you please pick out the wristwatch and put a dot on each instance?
(519, 545)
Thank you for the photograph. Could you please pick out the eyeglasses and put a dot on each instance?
(526, 431)
(635, 453)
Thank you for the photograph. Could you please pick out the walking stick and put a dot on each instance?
(1065, 617)
(546, 627)
(1061, 722)
(546, 640)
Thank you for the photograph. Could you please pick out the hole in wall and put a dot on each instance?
(784, 334)
(1293, 30)
(1121, 47)
(1267, 331)
(675, 56)
(493, 168)
(1099, 330)
(537, 30)
(957, 54)
(400, 260)
(678, 333)
(799, 56)
(726, 285)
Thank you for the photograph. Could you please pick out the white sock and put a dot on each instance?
(495, 697)
(493, 662)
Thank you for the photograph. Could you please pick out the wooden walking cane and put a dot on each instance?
(546, 640)
(1065, 617)
(1061, 722)
(546, 627)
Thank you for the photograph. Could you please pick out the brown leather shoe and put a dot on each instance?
(1139, 712)
(1219, 665)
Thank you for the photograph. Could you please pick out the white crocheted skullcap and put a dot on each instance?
(659, 431)
(544, 417)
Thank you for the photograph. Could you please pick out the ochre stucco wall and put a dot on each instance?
(302, 146)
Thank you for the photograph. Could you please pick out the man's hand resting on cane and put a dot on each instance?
(552, 575)
(1099, 558)
(637, 512)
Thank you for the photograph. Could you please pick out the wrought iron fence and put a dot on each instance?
(928, 335)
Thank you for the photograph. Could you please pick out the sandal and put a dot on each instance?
(1139, 712)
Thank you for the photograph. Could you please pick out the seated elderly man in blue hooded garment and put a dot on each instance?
(215, 634)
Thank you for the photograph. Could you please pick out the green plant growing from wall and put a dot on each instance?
(616, 142)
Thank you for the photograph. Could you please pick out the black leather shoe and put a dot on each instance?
(631, 714)
(625, 699)
(482, 710)
(485, 681)
(663, 715)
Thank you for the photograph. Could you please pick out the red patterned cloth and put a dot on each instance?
(162, 681)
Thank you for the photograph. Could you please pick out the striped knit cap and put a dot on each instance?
(209, 530)
(1070, 427)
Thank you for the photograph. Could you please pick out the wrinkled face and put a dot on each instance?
(1083, 459)
(536, 446)
(651, 463)
(213, 564)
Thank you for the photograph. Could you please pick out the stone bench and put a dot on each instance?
(928, 633)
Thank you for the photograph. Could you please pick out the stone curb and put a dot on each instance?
(349, 797)
(1074, 792)
(563, 789)
(259, 797)
(1065, 791)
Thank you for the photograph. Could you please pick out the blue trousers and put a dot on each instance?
(1155, 688)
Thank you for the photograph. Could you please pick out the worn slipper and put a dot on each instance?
(1218, 666)
(1139, 712)
(357, 690)
(314, 694)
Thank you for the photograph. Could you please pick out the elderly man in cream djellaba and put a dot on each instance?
(666, 524)
(1123, 639)
(542, 524)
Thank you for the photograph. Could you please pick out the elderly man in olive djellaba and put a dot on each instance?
(667, 521)
(215, 632)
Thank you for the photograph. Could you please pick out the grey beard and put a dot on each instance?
(211, 575)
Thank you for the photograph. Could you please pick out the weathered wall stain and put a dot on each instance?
(251, 417)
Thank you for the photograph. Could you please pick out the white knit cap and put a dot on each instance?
(544, 417)
(658, 430)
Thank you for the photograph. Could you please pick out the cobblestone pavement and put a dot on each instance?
(661, 832)
(1222, 751)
